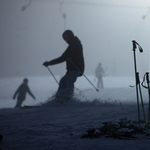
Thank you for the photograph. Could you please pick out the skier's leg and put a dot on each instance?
(71, 79)
(19, 103)
(102, 83)
(62, 86)
(98, 82)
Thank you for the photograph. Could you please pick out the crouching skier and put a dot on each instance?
(73, 56)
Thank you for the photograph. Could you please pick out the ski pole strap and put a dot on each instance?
(134, 46)
(137, 80)
(147, 78)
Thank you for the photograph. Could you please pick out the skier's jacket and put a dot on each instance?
(21, 91)
(73, 56)
(99, 72)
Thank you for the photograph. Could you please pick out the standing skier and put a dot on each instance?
(73, 56)
(21, 91)
(99, 72)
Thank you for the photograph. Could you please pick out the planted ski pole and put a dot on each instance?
(53, 75)
(147, 87)
(138, 82)
(83, 74)
(147, 79)
(135, 68)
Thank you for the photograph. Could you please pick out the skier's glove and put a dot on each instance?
(46, 63)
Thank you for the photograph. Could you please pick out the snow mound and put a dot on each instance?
(79, 99)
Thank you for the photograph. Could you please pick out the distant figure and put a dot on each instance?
(21, 91)
(73, 56)
(99, 72)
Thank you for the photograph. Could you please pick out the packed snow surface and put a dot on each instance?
(55, 126)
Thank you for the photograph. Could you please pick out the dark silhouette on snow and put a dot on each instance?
(1, 137)
(21, 92)
(99, 72)
(73, 56)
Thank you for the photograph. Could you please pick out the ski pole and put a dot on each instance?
(138, 82)
(135, 67)
(55, 77)
(147, 78)
(83, 74)
(52, 75)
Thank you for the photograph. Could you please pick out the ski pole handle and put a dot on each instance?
(134, 45)
(147, 77)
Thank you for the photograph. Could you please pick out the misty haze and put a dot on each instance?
(31, 33)
(115, 36)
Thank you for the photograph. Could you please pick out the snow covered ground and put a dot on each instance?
(55, 126)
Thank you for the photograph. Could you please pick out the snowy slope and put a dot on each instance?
(56, 126)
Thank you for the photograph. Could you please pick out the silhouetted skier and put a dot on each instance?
(99, 72)
(75, 65)
(21, 92)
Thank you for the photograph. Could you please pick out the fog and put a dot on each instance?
(31, 33)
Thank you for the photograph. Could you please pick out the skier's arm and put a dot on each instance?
(17, 91)
(58, 60)
(30, 93)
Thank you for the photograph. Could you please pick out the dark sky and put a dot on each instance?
(30, 37)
